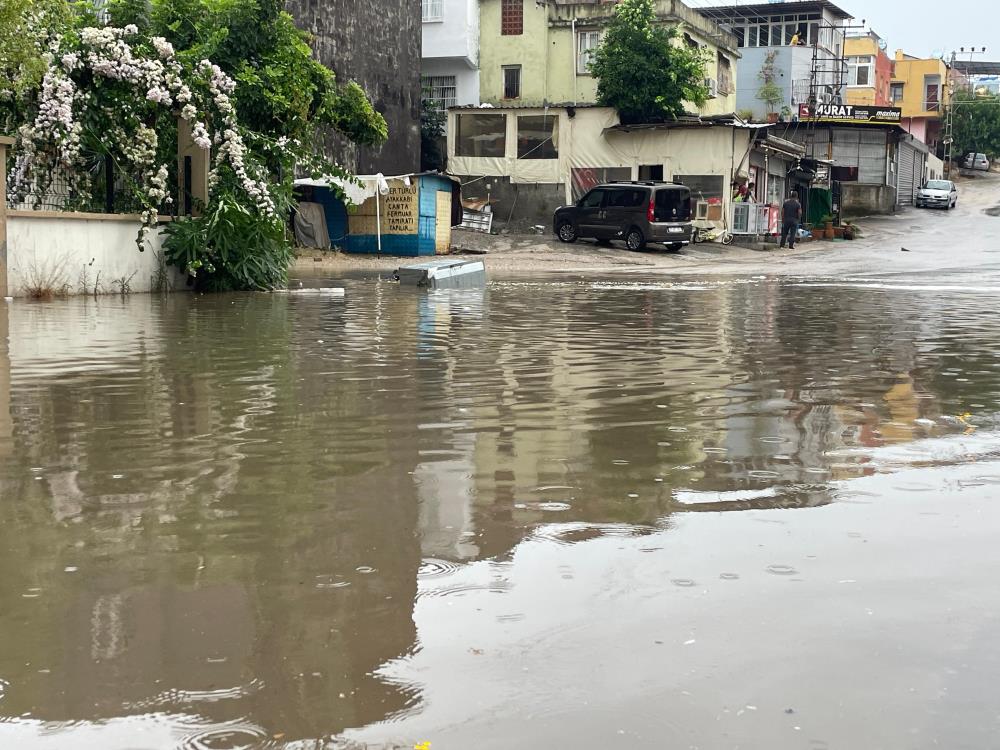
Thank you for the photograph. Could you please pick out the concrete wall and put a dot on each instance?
(377, 45)
(934, 168)
(529, 50)
(916, 126)
(70, 250)
(865, 200)
(793, 67)
(456, 35)
(518, 206)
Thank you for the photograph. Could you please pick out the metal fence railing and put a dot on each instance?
(107, 191)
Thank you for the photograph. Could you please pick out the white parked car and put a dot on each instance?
(938, 194)
(977, 161)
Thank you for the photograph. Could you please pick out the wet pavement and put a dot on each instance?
(742, 511)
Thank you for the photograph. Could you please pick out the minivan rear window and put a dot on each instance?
(673, 205)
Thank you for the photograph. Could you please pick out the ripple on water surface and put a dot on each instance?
(312, 496)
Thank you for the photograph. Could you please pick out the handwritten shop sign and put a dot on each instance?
(400, 209)
(850, 113)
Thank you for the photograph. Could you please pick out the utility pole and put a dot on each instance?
(949, 115)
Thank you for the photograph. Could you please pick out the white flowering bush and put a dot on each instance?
(107, 94)
(117, 92)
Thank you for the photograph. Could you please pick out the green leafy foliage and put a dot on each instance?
(230, 247)
(432, 122)
(770, 93)
(642, 68)
(26, 27)
(976, 124)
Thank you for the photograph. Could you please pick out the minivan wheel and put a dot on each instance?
(634, 239)
(566, 232)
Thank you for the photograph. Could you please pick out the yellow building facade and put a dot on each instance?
(919, 86)
(532, 54)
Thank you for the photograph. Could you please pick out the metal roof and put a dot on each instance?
(977, 67)
(715, 12)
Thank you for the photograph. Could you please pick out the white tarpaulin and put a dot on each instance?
(358, 190)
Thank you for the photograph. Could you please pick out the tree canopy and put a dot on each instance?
(643, 69)
(976, 124)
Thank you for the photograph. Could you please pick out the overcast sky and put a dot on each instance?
(922, 27)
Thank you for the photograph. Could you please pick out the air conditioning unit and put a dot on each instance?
(713, 87)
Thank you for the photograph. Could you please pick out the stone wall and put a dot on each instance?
(378, 45)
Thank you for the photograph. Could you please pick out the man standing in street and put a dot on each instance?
(791, 215)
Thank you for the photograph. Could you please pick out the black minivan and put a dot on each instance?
(636, 212)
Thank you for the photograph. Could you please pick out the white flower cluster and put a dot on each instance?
(52, 141)
(231, 148)
(163, 48)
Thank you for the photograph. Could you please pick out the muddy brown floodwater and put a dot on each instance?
(742, 513)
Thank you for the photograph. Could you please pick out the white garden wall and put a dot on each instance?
(77, 251)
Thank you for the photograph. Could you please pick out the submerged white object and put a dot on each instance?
(329, 291)
(442, 274)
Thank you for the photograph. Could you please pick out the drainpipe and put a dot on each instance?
(572, 54)
(545, 41)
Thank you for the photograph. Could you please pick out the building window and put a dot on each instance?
(538, 137)
(776, 35)
(740, 32)
(586, 44)
(433, 10)
(751, 36)
(896, 93)
(440, 91)
(725, 75)
(511, 81)
(860, 70)
(511, 17)
(691, 42)
(932, 97)
(478, 134)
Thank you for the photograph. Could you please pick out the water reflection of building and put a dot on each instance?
(169, 546)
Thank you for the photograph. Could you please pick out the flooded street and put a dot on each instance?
(739, 512)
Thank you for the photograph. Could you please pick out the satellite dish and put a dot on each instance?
(882, 44)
